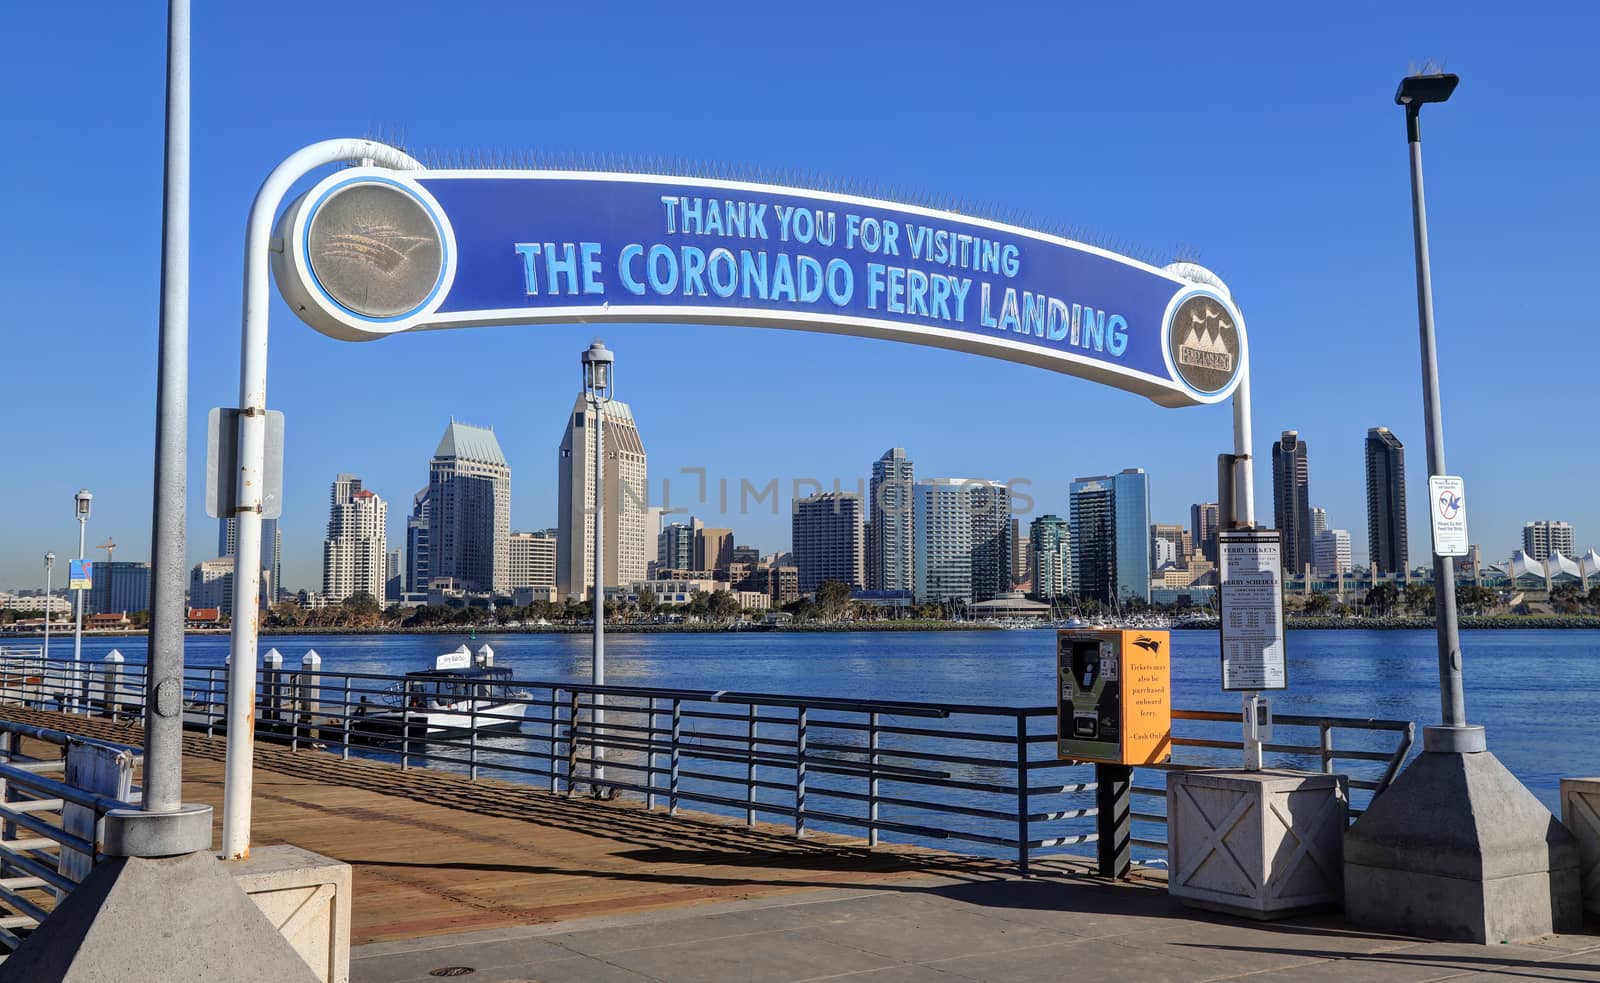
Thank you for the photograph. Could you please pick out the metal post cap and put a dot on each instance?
(136, 833)
(1469, 739)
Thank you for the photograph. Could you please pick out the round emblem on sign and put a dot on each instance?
(1204, 343)
(375, 250)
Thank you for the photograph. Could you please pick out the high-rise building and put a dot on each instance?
(991, 539)
(676, 547)
(469, 510)
(417, 544)
(1330, 551)
(1386, 502)
(962, 539)
(211, 585)
(1203, 520)
(1110, 530)
(1021, 559)
(355, 554)
(625, 490)
(533, 563)
(1291, 505)
(1319, 520)
(1167, 546)
(394, 577)
(713, 549)
(1539, 539)
(120, 585)
(271, 552)
(827, 538)
(1050, 557)
(891, 513)
(749, 556)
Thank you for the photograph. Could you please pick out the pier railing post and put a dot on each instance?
(555, 746)
(650, 755)
(672, 775)
(872, 778)
(211, 702)
(1327, 748)
(309, 696)
(1114, 819)
(111, 691)
(1022, 793)
(472, 734)
(572, 743)
(750, 768)
(344, 722)
(800, 774)
(405, 729)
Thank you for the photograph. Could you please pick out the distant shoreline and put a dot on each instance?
(1590, 622)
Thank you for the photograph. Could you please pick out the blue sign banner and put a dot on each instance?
(471, 248)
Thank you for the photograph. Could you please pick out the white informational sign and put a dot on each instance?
(1251, 605)
(1447, 495)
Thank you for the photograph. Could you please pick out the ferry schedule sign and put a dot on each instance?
(1250, 601)
(370, 252)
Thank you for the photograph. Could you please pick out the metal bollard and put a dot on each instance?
(1114, 820)
(271, 671)
(111, 683)
(309, 698)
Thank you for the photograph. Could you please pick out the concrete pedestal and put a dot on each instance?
(1458, 849)
(1580, 813)
(307, 897)
(1262, 844)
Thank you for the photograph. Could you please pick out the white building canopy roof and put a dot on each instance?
(1558, 567)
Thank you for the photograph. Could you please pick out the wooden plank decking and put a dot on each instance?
(434, 853)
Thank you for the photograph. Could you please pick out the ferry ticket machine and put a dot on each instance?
(1114, 696)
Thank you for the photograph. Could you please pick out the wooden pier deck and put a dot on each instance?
(434, 853)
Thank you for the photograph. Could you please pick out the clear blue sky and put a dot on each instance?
(1263, 137)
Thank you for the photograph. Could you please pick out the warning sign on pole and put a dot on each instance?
(1250, 602)
(1447, 495)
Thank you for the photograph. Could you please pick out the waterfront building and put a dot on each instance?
(271, 551)
(1386, 502)
(991, 539)
(675, 546)
(533, 564)
(120, 585)
(469, 510)
(355, 552)
(1540, 539)
(211, 585)
(394, 578)
(826, 535)
(961, 539)
(417, 544)
(1049, 548)
(890, 547)
(1168, 546)
(713, 548)
(747, 555)
(52, 605)
(783, 583)
(1291, 506)
(1021, 558)
(1319, 522)
(1203, 520)
(626, 475)
(1110, 536)
(1330, 552)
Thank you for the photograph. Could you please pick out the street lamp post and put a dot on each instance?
(49, 571)
(1453, 733)
(597, 379)
(82, 500)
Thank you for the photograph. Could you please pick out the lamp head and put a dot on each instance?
(82, 499)
(1433, 87)
(597, 365)
(49, 560)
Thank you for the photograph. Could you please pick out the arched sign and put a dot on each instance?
(370, 252)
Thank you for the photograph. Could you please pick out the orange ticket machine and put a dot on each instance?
(1114, 696)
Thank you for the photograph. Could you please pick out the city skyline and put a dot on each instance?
(1505, 227)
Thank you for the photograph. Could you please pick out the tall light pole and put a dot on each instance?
(597, 365)
(81, 501)
(1453, 733)
(49, 570)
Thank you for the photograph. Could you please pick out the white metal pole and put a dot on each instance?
(77, 631)
(49, 569)
(598, 673)
(1245, 514)
(252, 453)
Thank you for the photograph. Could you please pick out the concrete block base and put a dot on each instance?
(1261, 844)
(307, 897)
(176, 919)
(1457, 849)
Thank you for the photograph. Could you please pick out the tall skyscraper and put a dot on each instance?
(271, 552)
(676, 551)
(355, 554)
(469, 510)
(1021, 559)
(1386, 502)
(417, 544)
(1166, 546)
(1203, 520)
(1331, 552)
(1050, 557)
(991, 539)
(1291, 505)
(1539, 539)
(625, 501)
(961, 539)
(1110, 529)
(394, 577)
(120, 585)
(890, 549)
(827, 537)
(533, 563)
(713, 549)
(1319, 520)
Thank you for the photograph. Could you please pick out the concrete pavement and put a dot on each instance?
(956, 929)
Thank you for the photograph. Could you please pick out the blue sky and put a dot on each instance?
(1259, 137)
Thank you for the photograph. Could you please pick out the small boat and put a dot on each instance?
(460, 694)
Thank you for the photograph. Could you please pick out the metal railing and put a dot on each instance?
(966, 777)
(50, 815)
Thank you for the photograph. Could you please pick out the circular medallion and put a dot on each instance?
(1204, 343)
